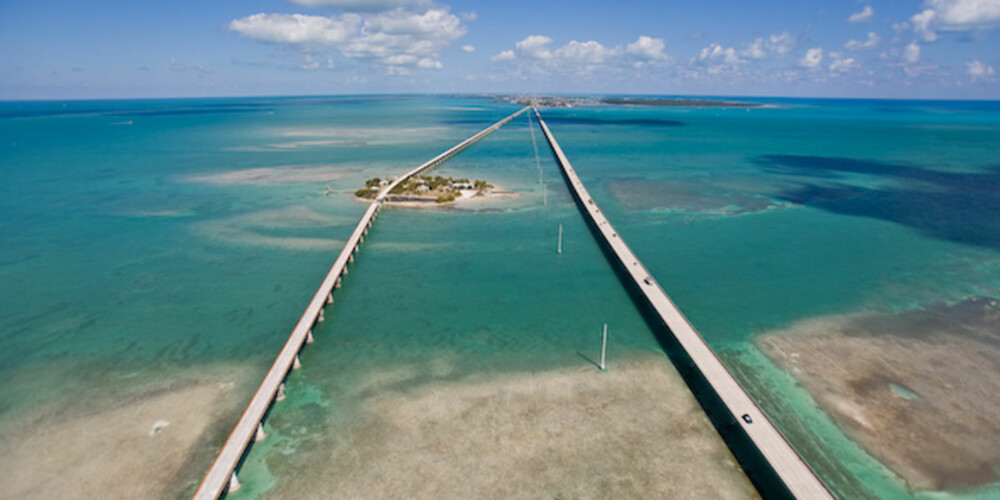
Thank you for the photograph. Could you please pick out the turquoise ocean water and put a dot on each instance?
(131, 247)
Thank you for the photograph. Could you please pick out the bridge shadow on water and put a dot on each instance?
(963, 207)
(754, 465)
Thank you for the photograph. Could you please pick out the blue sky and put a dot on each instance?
(55, 49)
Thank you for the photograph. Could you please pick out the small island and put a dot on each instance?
(424, 188)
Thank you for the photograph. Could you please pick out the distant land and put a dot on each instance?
(665, 102)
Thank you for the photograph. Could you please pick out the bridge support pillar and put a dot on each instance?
(281, 393)
(296, 364)
(351, 258)
(309, 337)
(320, 318)
(260, 435)
(234, 484)
(329, 299)
(338, 283)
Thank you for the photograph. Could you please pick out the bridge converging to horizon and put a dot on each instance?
(795, 476)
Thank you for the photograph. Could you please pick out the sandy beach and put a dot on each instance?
(631, 432)
(917, 390)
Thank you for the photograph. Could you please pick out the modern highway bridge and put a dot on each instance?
(795, 474)
(800, 480)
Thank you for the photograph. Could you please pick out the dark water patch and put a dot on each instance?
(639, 122)
(961, 206)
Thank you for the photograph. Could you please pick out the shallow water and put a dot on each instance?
(141, 236)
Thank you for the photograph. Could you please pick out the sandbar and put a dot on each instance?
(275, 175)
(634, 431)
(153, 443)
(917, 390)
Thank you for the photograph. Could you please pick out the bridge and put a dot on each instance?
(795, 474)
(221, 477)
(800, 480)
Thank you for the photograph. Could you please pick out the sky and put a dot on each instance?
(73, 49)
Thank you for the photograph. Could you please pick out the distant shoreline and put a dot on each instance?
(663, 102)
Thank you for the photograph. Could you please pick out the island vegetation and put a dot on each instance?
(426, 188)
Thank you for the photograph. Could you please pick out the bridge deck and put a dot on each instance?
(796, 474)
(217, 479)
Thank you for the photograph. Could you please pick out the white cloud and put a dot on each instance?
(365, 5)
(647, 47)
(534, 47)
(966, 13)
(921, 23)
(955, 15)
(865, 15)
(507, 55)
(812, 59)
(842, 64)
(911, 53)
(395, 37)
(177, 65)
(468, 48)
(755, 50)
(297, 28)
(717, 53)
(397, 71)
(310, 63)
(400, 60)
(869, 43)
(781, 43)
(777, 44)
(428, 63)
(979, 71)
(535, 54)
(585, 52)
